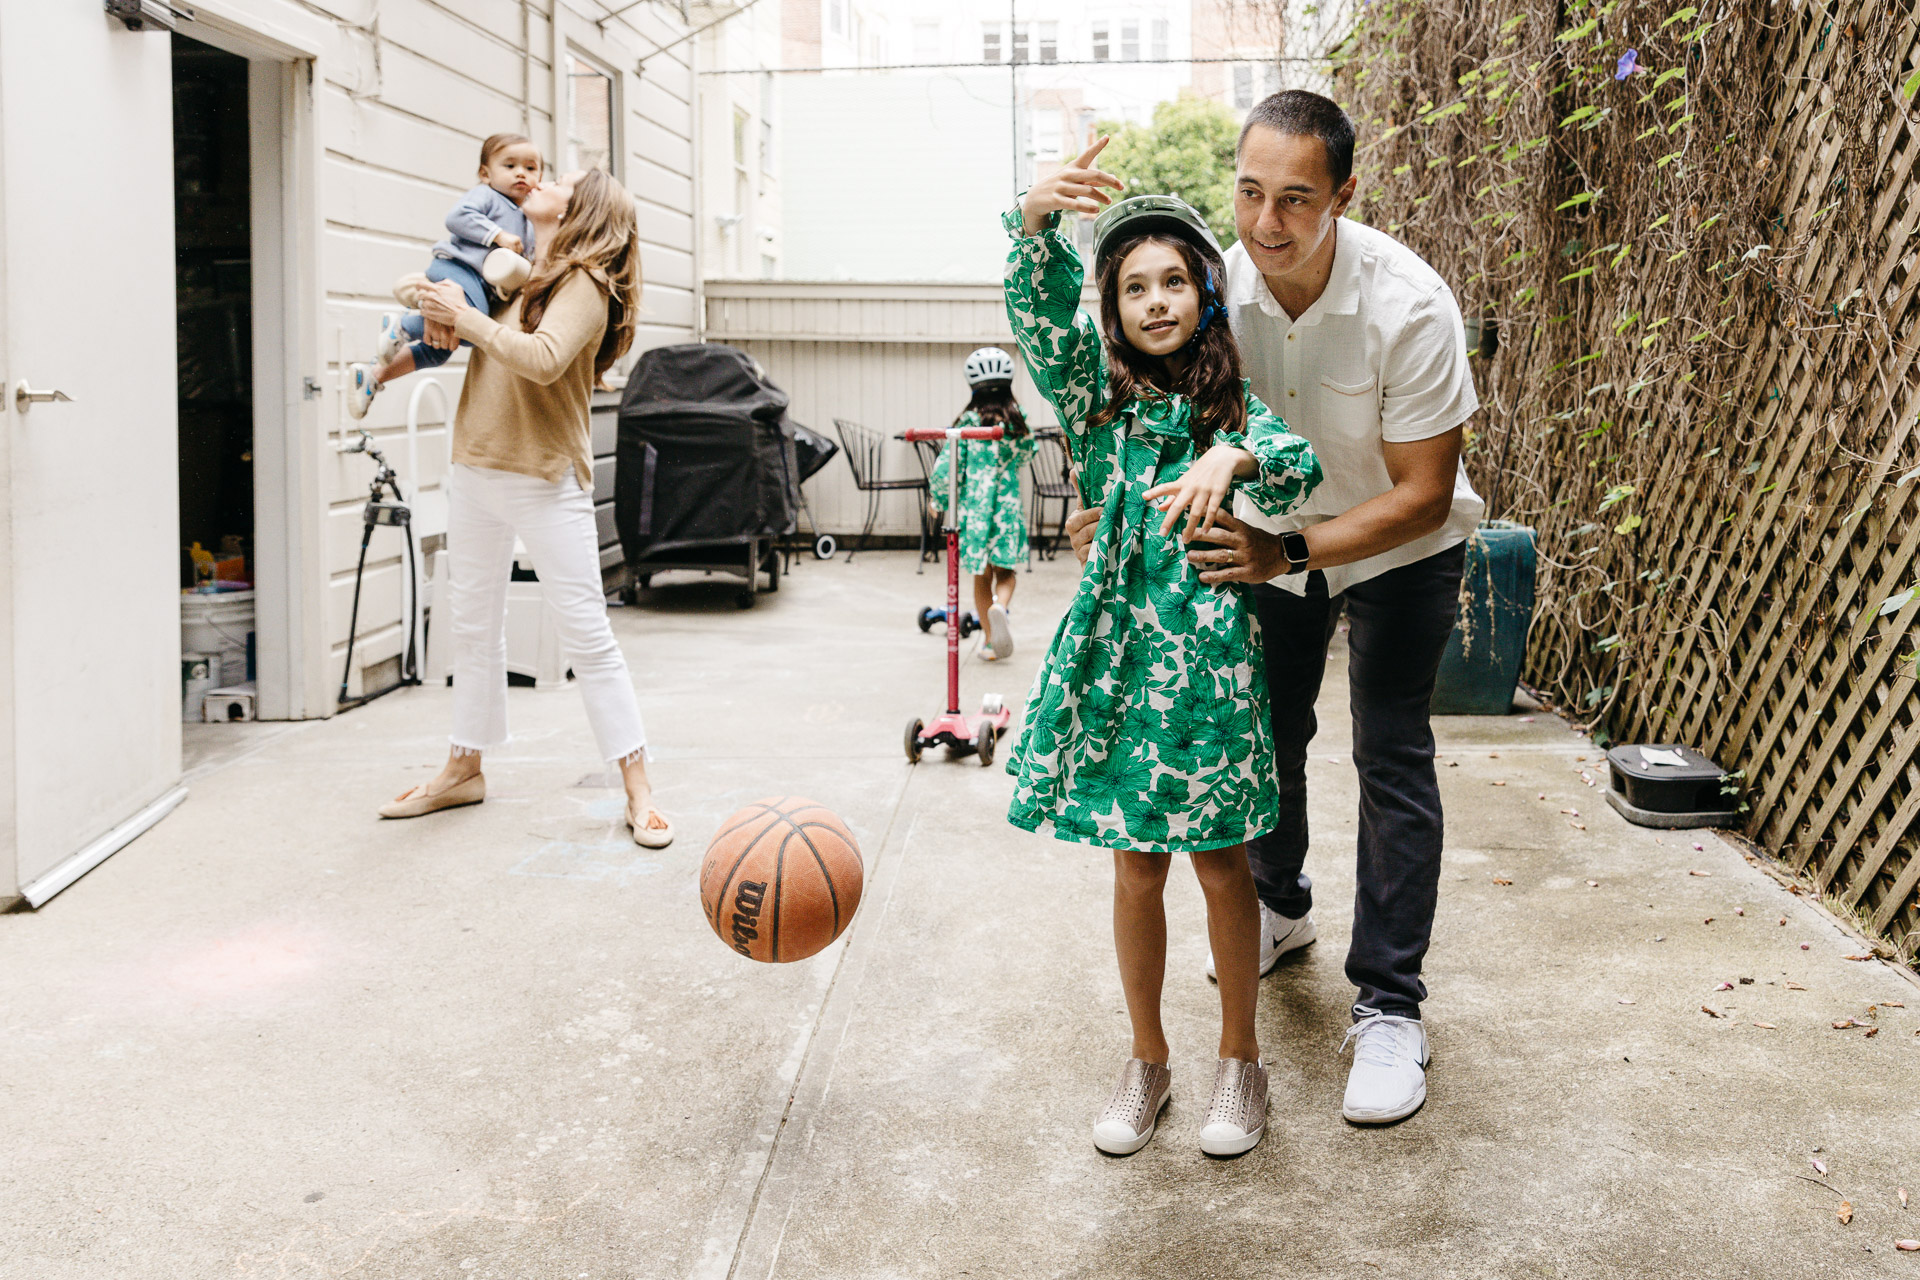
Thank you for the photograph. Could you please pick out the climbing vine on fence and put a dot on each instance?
(1686, 232)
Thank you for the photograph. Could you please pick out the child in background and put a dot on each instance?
(1147, 729)
(993, 527)
(487, 252)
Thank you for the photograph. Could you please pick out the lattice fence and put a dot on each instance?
(1693, 233)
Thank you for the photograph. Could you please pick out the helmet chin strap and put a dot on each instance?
(1208, 312)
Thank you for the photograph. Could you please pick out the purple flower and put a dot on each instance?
(1628, 64)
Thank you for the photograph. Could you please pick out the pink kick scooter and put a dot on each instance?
(957, 732)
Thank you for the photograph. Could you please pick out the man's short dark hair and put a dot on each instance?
(1309, 115)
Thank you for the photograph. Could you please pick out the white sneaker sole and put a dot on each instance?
(999, 632)
(1295, 941)
(1118, 1146)
(1232, 1144)
(392, 342)
(1418, 1100)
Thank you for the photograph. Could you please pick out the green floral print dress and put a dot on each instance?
(1147, 727)
(993, 527)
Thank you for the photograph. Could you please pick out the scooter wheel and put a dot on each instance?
(927, 618)
(824, 546)
(983, 744)
(914, 727)
(969, 623)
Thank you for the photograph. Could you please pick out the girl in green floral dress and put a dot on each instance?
(993, 527)
(1147, 729)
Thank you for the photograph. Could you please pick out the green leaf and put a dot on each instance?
(1907, 479)
(1669, 74)
(1584, 271)
(1894, 604)
(1681, 16)
(1586, 28)
(1581, 114)
(1580, 199)
(1912, 87)
(1628, 525)
(1619, 493)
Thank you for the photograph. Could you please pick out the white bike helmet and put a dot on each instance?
(989, 364)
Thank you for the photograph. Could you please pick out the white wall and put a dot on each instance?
(886, 356)
(409, 88)
(892, 177)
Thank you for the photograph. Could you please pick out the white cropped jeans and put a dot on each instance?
(486, 509)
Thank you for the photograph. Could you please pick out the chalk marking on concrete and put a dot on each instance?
(740, 1200)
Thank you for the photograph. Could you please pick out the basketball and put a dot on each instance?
(781, 879)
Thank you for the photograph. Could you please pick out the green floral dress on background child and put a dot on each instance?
(993, 527)
(1147, 727)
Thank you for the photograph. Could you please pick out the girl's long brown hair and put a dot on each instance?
(1212, 376)
(598, 235)
(995, 404)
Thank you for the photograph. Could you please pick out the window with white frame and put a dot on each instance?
(837, 17)
(1049, 42)
(990, 42)
(1159, 39)
(590, 116)
(1101, 47)
(1130, 41)
(766, 123)
(1020, 42)
(1254, 81)
(926, 42)
(1049, 133)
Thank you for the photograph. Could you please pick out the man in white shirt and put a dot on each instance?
(1354, 340)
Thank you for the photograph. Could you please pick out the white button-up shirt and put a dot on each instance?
(1380, 356)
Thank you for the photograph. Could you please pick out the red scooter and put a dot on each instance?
(957, 732)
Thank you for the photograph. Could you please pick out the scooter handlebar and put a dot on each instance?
(959, 433)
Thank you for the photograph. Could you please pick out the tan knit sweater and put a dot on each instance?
(525, 404)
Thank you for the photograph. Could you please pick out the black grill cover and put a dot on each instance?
(723, 466)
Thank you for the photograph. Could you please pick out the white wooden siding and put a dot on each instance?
(408, 90)
(887, 356)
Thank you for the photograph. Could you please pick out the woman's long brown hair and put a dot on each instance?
(1211, 379)
(995, 404)
(598, 235)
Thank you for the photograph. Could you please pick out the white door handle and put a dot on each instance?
(25, 397)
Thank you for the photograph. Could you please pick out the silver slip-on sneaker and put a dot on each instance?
(1128, 1122)
(1237, 1116)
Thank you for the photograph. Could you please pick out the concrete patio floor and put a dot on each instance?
(276, 1037)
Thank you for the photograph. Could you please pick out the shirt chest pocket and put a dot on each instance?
(1351, 409)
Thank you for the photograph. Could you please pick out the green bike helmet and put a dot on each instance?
(1149, 213)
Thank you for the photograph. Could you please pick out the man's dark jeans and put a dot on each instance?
(1398, 624)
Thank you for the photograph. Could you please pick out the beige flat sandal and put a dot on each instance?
(648, 837)
(416, 802)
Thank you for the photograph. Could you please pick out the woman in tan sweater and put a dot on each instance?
(523, 467)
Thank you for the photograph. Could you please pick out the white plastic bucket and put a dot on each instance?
(218, 623)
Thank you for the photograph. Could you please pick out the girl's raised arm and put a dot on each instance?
(1044, 276)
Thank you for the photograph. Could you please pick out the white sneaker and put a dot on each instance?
(1278, 935)
(362, 387)
(393, 339)
(1389, 1077)
(999, 631)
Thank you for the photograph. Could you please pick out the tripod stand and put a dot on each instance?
(379, 511)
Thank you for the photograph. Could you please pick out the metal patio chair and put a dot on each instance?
(1052, 482)
(863, 448)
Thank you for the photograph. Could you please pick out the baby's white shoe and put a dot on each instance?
(362, 387)
(406, 290)
(505, 271)
(393, 338)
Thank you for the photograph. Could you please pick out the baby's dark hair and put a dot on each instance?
(995, 404)
(1211, 379)
(499, 142)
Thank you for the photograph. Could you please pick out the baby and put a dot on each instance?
(486, 253)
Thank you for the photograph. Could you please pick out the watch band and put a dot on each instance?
(1294, 545)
